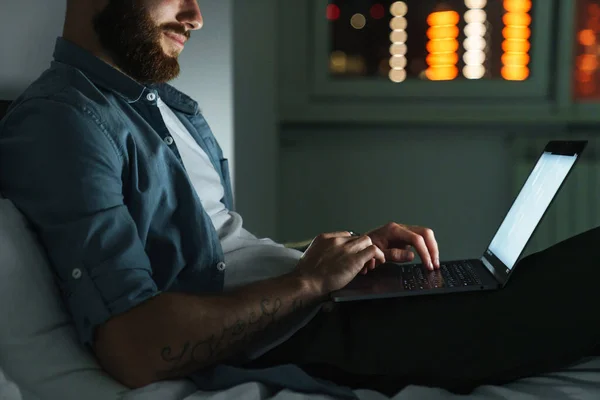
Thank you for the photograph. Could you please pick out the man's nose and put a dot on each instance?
(191, 16)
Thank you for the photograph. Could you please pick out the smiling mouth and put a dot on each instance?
(177, 38)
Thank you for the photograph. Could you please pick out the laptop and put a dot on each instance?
(493, 269)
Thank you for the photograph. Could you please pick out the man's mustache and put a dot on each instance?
(177, 28)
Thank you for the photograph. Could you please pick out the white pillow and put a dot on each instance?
(8, 390)
(39, 348)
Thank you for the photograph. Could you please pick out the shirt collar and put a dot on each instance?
(110, 78)
(176, 99)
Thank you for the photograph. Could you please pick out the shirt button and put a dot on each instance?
(76, 274)
(151, 96)
(169, 140)
(221, 266)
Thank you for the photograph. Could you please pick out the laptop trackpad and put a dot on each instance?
(384, 278)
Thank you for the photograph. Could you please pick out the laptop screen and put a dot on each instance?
(530, 206)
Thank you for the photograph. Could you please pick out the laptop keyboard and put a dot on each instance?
(452, 274)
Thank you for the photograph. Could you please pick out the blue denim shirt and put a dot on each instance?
(86, 157)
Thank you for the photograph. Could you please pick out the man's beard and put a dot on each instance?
(127, 32)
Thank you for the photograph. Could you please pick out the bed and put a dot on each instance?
(581, 382)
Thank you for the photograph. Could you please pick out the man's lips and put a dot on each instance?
(181, 39)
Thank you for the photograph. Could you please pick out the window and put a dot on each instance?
(429, 40)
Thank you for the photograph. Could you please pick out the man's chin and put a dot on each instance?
(170, 49)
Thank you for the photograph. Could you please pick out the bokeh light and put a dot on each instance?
(398, 39)
(516, 45)
(442, 45)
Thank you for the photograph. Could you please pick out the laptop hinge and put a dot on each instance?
(492, 270)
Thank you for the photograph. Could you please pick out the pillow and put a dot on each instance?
(39, 349)
(8, 390)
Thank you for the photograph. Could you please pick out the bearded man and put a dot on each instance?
(130, 194)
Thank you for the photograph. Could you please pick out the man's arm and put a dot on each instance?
(172, 335)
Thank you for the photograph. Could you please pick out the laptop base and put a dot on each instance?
(398, 280)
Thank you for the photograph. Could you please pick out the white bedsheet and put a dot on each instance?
(580, 382)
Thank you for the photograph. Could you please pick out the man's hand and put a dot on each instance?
(396, 240)
(334, 259)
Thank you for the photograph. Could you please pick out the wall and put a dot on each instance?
(27, 37)
(28, 34)
(455, 181)
(256, 131)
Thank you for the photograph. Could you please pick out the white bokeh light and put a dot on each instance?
(475, 29)
(398, 49)
(397, 75)
(398, 39)
(398, 23)
(475, 57)
(475, 3)
(475, 16)
(398, 62)
(399, 9)
(475, 43)
(474, 71)
(398, 36)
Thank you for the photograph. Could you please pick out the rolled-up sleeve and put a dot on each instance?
(64, 170)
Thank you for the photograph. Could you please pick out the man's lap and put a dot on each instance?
(543, 319)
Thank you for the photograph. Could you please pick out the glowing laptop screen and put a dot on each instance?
(529, 207)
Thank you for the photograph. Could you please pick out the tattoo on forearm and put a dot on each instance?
(297, 305)
(206, 351)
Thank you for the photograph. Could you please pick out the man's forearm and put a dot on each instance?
(175, 334)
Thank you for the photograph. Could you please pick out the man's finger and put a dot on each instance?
(418, 242)
(399, 255)
(370, 265)
(430, 242)
(371, 252)
(332, 235)
(358, 243)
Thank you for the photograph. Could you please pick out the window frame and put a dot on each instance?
(301, 100)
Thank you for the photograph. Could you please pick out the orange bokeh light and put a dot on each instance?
(443, 32)
(516, 46)
(444, 73)
(442, 59)
(594, 10)
(516, 32)
(583, 76)
(443, 18)
(587, 62)
(516, 19)
(587, 37)
(517, 6)
(515, 73)
(515, 59)
(587, 88)
(442, 46)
